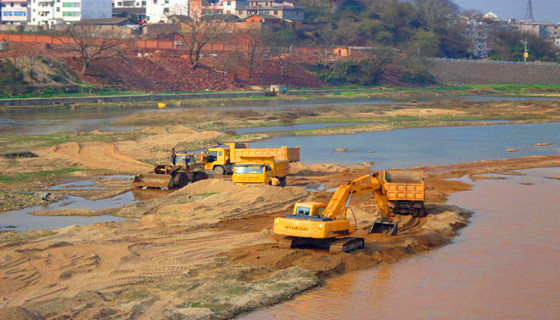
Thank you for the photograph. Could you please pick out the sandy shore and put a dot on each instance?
(206, 251)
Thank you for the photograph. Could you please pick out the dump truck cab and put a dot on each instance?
(260, 170)
(217, 160)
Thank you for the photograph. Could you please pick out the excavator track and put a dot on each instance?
(346, 245)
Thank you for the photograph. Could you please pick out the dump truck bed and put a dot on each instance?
(405, 185)
(281, 168)
(282, 153)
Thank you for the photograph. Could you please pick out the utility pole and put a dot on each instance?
(526, 51)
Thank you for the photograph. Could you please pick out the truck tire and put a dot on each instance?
(180, 180)
(219, 170)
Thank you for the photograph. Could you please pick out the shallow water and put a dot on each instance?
(504, 265)
(87, 119)
(425, 146)
(22, 220)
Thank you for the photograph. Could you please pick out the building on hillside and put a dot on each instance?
(280, 9)
(129, 3)
(543, 30)
(539, 29)
(158, 11)
(52, 12)
(283, 10)
(269, 20)
(14, 12)
(135, 9)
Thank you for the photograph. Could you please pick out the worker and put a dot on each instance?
(173, 158)
(46, 196)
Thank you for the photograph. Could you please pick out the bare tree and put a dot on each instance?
(88, 45)
(255, 44)
(197, 31)
(378, 57)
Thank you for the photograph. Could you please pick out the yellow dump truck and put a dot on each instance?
(221, 160)
(261, 170)
(405, 190)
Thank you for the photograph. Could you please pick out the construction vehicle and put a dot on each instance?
(261, 170)
(222, 160)
(322, 225)
(178, 173)
(405, 191)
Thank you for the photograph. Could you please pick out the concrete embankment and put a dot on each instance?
(494, 72)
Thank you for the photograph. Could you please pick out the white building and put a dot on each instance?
(160, 10)
(129, 3)
(50, 12)
(14, 11)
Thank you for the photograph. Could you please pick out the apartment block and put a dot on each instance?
(14, 11)
(129, 3)
(51, 12)
(161, 10)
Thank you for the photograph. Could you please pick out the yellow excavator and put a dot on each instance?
(326, 226)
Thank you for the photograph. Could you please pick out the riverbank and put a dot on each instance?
(63, 157)
(207, 249)
(130, 99)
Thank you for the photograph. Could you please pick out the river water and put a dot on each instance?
(425, 146)
(504, 265)
(46, 121)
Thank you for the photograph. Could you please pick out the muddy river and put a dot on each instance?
(504, 265)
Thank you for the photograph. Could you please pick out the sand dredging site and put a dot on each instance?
(205, 251)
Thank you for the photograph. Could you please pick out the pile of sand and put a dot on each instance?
(158, 141)
(97, 155)
(206, 202)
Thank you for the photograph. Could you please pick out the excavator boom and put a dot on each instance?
(321, 225)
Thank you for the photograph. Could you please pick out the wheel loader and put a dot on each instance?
(326, 226)
(181, 170)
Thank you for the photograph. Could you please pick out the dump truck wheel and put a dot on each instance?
(219, 170)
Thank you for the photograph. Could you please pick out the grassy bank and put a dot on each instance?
(396, 94)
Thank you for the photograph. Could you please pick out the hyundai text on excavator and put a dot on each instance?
(327, 226)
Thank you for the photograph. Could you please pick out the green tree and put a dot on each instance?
(506, 44)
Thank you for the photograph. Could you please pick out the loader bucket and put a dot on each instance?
(387, 227)
(150, 180)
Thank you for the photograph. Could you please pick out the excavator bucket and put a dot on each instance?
(383, 226)
(151, 180)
